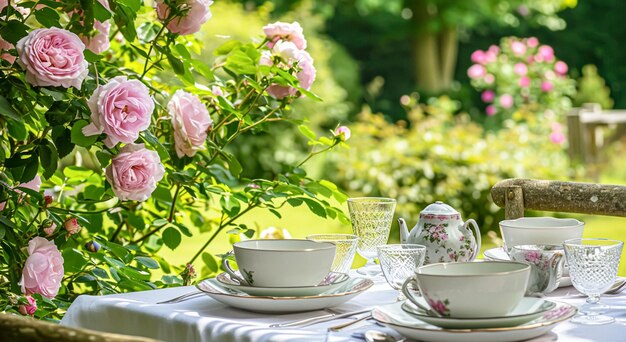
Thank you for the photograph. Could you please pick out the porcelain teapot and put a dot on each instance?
(446, 237)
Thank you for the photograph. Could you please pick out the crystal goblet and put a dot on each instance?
(399, 262)
(346, 248)
(593, 267)
(371, 221)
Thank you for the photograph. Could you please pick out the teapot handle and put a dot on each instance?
(477, 232)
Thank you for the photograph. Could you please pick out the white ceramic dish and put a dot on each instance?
(332, 281)
(529, 308)
(268, 304)
(407, 325)
(540, 231)
(499, 254)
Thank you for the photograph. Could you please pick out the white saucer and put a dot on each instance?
(499, 254)
(332, 281)
(407, 325)
(529, 308)
(267, 304)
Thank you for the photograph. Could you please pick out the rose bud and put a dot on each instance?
(49, 227)
(72, 226)
(28, 309)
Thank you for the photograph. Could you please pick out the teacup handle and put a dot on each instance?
(230, 271)
(555, 276)
(410, 296)
(477, 233)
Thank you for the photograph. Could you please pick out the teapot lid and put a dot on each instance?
(439, 208)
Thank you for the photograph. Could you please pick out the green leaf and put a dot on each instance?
(79, 138)
(7, 110)
(148, 262)
(210, 262)
(100, 12)
(30, 169)
(162, 194)
(177, 64)
(171, 237)
(240, 62)
(125, 15)
(73, 260)
(226, 48)
(156, 144)
(17, 130)
(315, 207)
(307, 132)
(13, 31)
(62, 138)
(49, 158)
(60, 113)
(147, 31)
(294, 202)
(90, 56)
(202, 69)
(93, 192)
(48, 17)
(104, 158)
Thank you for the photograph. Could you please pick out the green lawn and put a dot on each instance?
(300, 222)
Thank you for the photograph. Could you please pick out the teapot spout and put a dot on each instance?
(404, 230)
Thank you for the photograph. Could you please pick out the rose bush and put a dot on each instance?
(522, 80)
(113, 150)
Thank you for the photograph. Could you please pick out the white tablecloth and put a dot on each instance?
(204, 319)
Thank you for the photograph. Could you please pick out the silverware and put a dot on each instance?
(182, 298)
(345, 325)
(318, 319)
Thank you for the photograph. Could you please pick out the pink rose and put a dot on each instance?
(43, 269)
(194, 14)
(99, 41)
(290, 55)
(4, 51)
(520, 69)
(52, 57)
(506, 101)
(28, 309)
(72, 226)
(476, 71)
(560, 67)
(49, 227)
(488, 96)
(490, 110)
(518, 48)
(343, 133)
(478, 57)
(532, 42)
(557, 137)
(524, 81)
(121, 109)
(546, 53)
(134, 172)
(556, 127)
(191, 121)
(285, 31)
(546, 86)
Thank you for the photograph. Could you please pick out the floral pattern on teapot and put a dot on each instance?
(446, 237)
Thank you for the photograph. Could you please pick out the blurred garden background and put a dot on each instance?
(443, 97)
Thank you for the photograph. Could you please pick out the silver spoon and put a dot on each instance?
(379, 336)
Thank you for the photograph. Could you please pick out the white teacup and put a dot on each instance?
(281, 263)
(469, 289)
(539, 231)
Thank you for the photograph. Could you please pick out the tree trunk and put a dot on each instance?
(434, 52)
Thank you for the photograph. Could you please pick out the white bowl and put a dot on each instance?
(539, 231)
(284, 263)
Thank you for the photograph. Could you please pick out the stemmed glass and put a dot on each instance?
(399, 262)
(593, 267)
(371, 221)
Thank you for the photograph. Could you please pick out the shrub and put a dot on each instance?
(438, 155)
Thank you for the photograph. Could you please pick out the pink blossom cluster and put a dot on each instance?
(286, 45)
(520, 75)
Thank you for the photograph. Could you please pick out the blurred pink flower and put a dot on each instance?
(43, 269)
(476, 71)
(495, 49)
(217, 91)
(520, 69)
(546, 86)
(479, 57)
(99, 42)
(343, 133)
(488, 96)
(4, 48)
(560, 67)
(291, 32)
(506, 101)
(556, 127)
(524, 81)
(489, 79)
(557, 137)
(49, 230)
(490, 110)
(518, 48)
(546, 52)
(532, 42)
